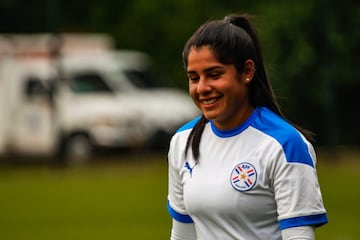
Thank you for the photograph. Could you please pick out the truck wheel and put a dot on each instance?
(78, 148)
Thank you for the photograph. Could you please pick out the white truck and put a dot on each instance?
(83, 96)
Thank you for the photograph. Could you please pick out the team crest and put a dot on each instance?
(243, 177)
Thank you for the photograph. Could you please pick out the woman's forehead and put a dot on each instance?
(201, 56)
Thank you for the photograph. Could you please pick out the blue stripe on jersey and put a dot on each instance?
(293, 145)
(312, 220)
(189, 125)
(178, 216)
(268, 122)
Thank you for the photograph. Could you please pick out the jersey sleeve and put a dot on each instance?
(296, 187)
(298, 233)
(180, 231)
(176, 207)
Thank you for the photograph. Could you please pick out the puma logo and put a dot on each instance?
(187, 165)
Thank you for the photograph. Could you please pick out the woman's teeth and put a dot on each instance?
(210, 101)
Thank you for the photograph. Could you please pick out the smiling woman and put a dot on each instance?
(248, 162)
(218, 89)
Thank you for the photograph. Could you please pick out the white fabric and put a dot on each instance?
(182, 231)
(298, 233)
(284, 191)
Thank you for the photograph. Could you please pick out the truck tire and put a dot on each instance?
(78, 148)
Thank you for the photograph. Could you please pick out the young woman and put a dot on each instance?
(240, 170)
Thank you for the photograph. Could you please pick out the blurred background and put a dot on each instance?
(102, 83)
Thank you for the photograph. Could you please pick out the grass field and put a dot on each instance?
(339, 181)
(126, 199)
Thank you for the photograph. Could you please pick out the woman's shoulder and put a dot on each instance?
(293, 143)
(180, 136)
(189, 125)
(274, 125)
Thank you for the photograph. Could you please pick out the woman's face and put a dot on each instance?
(219, 90)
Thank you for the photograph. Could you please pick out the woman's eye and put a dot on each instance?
(193, 78)
(215, 75)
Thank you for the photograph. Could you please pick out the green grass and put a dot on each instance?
(126, 199)
(115, 200)
(339, 179)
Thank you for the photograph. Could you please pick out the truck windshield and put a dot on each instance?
(88, 83)
(147, 79)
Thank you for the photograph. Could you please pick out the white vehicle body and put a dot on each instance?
(81, 100)
(26, 125)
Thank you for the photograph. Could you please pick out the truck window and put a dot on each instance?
(139, 79)
(145, 79)
(88, 83)
(33, 87)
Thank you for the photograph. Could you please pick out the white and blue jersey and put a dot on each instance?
(250, 183)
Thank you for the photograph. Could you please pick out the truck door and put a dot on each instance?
(34, 130)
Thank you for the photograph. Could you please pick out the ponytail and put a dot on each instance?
(195, 137)
(261, 92)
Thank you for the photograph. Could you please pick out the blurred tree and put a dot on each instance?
(312, 50)
(311, 47)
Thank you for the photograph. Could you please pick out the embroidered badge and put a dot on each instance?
(243, 177)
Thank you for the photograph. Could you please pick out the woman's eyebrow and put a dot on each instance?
(207, 70)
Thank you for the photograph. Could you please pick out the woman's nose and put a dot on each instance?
(203, 86)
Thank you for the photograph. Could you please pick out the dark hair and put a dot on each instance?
(233, 40)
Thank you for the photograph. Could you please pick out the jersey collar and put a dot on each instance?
(235, 131)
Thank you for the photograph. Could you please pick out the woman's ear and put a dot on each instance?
(249, 70)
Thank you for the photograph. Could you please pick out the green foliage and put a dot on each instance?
(311, 47)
